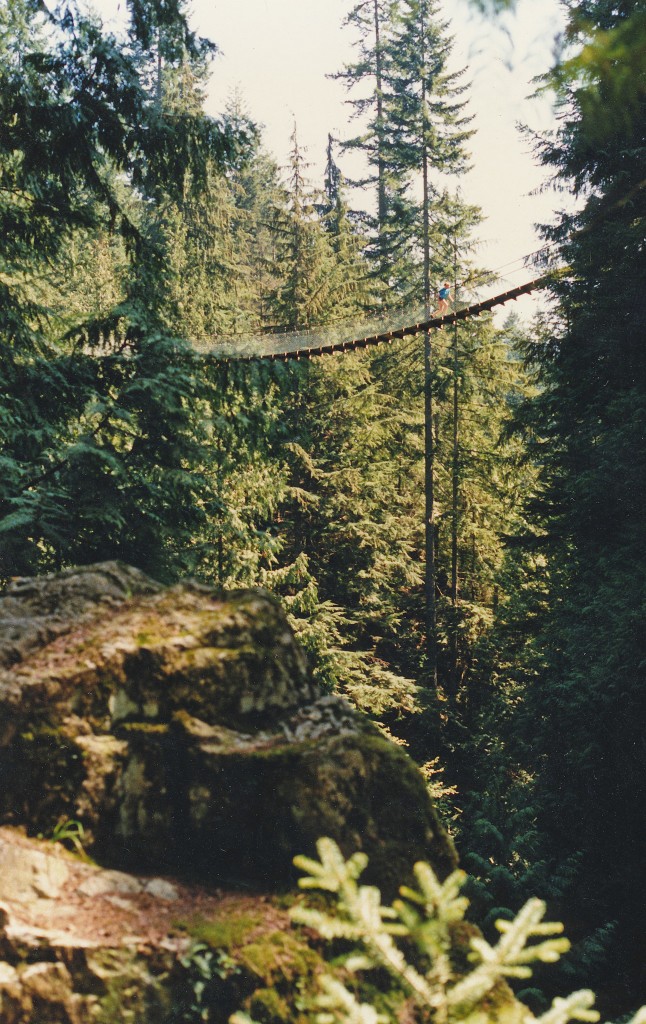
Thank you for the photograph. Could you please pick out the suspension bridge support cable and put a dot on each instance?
(225, 352)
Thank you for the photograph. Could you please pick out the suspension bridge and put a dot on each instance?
(283, 345)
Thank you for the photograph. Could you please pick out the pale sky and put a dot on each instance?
(277, 53)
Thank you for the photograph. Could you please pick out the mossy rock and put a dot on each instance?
(183, 728)
(40, 775)
(130, 988)
(266, 1006)
(276, 972)
(229, 931)
(280, 959)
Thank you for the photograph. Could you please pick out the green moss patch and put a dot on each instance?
(276, 968)
(280, 957)
(267, 1007)
(227, 933)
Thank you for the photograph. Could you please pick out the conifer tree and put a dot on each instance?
(172, 60)
(595, 379)
(19, 27)
(370, 20)
(426, 131)
(426, 127)
(219, 244)
(436, 984)
(346, 240)
(98, 429)
(257, 203)
(579, 686)
(418, 131)
(355, 529)
(311, 280)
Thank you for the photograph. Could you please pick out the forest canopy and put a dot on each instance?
(455, 523)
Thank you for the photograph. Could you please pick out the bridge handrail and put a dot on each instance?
(225, 351)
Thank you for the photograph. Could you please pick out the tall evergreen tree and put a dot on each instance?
(172, 60)
(581, 715)
(413, 127)
(417, 131)
(426, 128)
(346, 240)
(312, 280)
(371, 20)
(96, 418)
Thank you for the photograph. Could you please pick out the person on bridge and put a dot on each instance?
(444, 299)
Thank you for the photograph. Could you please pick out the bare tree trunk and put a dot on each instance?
(381, 161)
(455, 480)
(429, 440)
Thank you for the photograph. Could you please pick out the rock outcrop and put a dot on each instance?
(182, 727)
(83, 945)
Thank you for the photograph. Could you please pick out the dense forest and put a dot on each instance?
(456, 522)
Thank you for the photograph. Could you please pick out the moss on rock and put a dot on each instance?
(186, 732)
(41, 773)
(280, 959)
(277, 968)
(228, 931)
(266, 1006)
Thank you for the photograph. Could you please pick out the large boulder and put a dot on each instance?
(182, 727)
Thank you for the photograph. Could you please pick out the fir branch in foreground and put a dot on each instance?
(427, 917)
